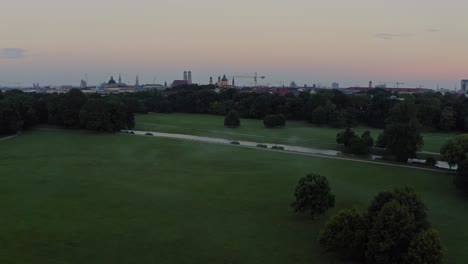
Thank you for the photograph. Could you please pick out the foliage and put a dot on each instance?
(271, 121)
(402, 134)
(313, 195)
(426, 248)
(455, 150)
(345, 235)
(232, 119)
(105, 116)
(367, 138)
(353, 143)
(345, 137)
(395, 219)
(390, 234)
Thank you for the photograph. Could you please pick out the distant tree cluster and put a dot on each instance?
(355, 144)
(271, 121)
(395, 229)
(327, 107)
(22, 111)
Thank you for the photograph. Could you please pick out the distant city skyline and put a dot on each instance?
(55, 42)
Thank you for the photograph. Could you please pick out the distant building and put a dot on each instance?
(186, 81)
(335, 85)
(464, 86)
(223, 82)
(293, 85)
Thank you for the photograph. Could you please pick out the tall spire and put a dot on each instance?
(137, 81)
(120, 79)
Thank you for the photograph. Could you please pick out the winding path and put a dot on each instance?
(304, 151)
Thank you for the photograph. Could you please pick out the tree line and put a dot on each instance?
(434, 111)
(21, 111)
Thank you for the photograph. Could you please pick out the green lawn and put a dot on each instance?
(295, 132)
(71, 197)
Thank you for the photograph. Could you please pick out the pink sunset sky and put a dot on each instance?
(57, 42)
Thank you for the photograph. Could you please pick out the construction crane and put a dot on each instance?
(255, 77)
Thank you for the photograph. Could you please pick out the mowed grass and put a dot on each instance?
(295, 133)
(71, 197)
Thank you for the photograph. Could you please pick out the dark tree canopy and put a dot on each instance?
(402, 134)
(232, 119)
(313, 195)
(271, 121)
(345, 235)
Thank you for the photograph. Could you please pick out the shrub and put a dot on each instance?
(262, 146)
(235, 143)
(148, 134)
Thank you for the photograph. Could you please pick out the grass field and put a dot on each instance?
(71, 197)
(295, 132)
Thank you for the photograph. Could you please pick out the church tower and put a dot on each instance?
(211, 80)
(120, 79)
(137, 81)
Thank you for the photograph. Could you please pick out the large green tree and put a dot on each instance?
(313, 195)
(345, 235)
(455, 152)
(232, 119)
(426, 248)
(402, 133)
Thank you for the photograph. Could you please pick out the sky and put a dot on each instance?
(54, 42)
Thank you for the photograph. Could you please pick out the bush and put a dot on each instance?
(313, 195)
(148, 134)
(232, 119)
(235, 143)
(345, 235)
(262, 146)
(271, 121)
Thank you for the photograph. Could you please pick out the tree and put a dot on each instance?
(394, 219)
(271, 121)
(426, 248)
(367, 138)
(358, 146)
(105, 116)
(70, 107)
(402, 133)
(232, 119)
(447, 119)
(345, 137)
(313, 195)
(345, 235)
(390, 234)
(10, 119)
(405, 196)
(455, 152)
